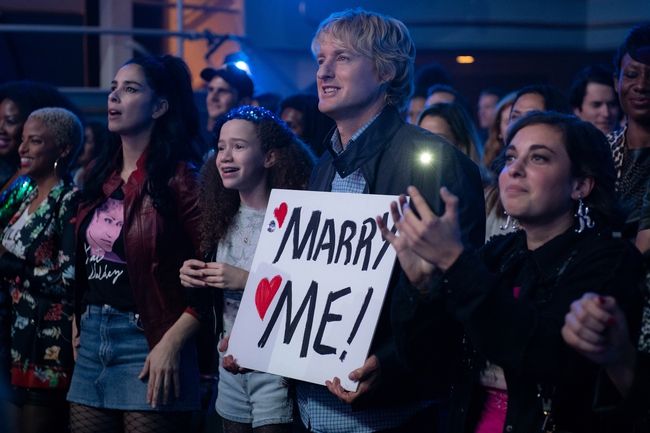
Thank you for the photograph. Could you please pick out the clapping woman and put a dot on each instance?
(511, 295)
(136, 366)
(37, 266)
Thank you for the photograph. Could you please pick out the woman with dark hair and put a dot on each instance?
(444, 93)
(17, 101)
(300, 112)
(37, 266)
(631, 144)
(452, 122)
(136, 225)
(256, 152)
(539, 97)
(596, 326)
(510, 296)
(529, 99)
(497, 130)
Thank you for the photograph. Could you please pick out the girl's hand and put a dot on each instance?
(196, 273)
(228, 362)
(225, 276)
(192, 274)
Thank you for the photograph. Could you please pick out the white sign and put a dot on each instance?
(316, 287)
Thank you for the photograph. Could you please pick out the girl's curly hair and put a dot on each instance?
(293, 165)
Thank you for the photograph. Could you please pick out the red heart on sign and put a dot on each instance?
(265, 293)
(280, 212)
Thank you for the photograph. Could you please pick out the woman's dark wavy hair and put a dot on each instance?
(293, 165)
(590, 155)
(175, 135)
(461, 125)
(554, 99)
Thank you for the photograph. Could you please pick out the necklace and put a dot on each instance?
(255, 224)
(634, 179)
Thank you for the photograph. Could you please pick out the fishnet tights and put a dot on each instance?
(238, 427)
(86, 419)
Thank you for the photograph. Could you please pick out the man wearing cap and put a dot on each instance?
(228, 88)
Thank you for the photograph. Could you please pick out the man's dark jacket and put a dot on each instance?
(389, 153)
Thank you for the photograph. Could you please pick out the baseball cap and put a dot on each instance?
(235, 77)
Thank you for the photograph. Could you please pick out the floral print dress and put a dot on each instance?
(38, 275)
(10, 201)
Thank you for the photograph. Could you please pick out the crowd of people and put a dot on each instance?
(519, 301)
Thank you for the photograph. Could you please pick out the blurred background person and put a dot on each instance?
(301, 114)
(593, 97)
(425, 77)
(443, 93)
(268, 100)
(487, 104)
(228, 87)
(497, 129)
(452, 122)
(539, 97)
(631, 144)
(440, 93)
(95, 136)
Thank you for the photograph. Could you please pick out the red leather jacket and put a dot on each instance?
(155, 247)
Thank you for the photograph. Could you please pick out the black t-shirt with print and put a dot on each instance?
(102, 237)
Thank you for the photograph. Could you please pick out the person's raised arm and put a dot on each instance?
(596, 328)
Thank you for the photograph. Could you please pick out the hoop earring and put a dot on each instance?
(510, 223)
(583, 216)
(56, 166)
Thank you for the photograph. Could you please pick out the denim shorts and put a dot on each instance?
(112, 354)
(255, 398)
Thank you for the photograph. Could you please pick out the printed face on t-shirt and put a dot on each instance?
(105, 228)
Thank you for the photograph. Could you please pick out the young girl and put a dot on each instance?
(255, 153)
(136, 366)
